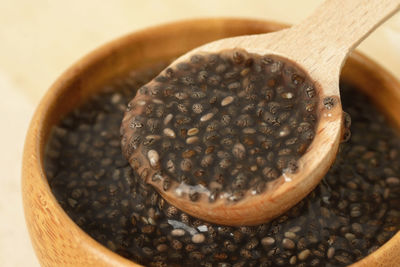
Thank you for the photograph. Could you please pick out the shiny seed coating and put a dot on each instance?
(193, 131)
(198, 238)
(168, 118)
(153, 158)
(169, 132)
(207, 117)
(192, 140)
(178, 232)
(227, 100)
(217, 116)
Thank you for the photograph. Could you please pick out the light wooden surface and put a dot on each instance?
(40, 39)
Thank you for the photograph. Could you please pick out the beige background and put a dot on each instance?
(41, 38)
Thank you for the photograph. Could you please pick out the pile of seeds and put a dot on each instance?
(225, 122)
(354, 210)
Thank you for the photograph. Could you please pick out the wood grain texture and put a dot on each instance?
(57, 240)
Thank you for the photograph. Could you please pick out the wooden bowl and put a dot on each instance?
(57, 240)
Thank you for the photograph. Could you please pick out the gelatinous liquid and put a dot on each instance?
(224, 124)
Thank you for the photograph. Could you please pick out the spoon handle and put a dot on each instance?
(321, 42)
(343, 24)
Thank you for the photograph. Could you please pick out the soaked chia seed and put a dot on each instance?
(221, 125)
(351, 213)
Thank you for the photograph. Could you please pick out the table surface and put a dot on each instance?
(40, 39)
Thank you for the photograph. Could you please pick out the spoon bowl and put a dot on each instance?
(319, 46)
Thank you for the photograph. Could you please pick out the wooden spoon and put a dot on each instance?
(319, 45)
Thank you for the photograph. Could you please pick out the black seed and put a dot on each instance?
(169, 73)
(214, 80)
(297, 79)
(202, 76)
(234, 86)
(166, 183)
(267, 60)
(183, 66)
(329, 102)
(196, 59)
(231, 75)
(238, 57)
(194, 196)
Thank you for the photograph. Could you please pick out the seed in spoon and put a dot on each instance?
(227, 100)
(220, 122)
